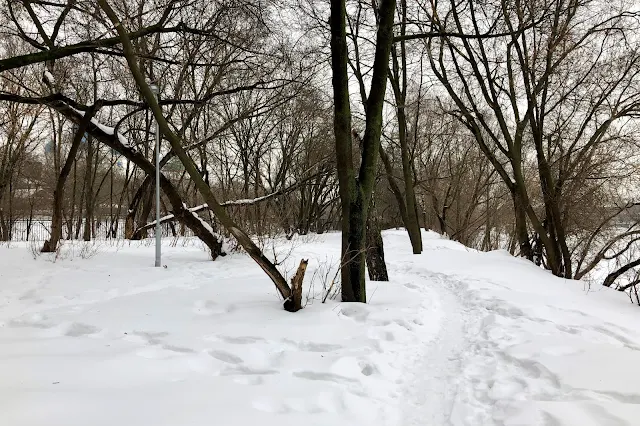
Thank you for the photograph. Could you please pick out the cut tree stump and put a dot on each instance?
(294, 303)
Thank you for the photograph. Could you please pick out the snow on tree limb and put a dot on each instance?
(240, 202)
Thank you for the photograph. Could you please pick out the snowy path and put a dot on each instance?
(431, 377)
(515, 346)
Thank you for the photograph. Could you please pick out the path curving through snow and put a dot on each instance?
(518, 346)
(431, 378)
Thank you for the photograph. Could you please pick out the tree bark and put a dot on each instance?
(294, 304)
(522, 233)
(376, 264)
(142, 217)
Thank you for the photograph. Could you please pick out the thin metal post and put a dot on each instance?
(155, 91)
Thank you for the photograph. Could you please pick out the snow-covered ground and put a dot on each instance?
(100, 337)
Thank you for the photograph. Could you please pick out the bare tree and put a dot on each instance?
(355, 192)
(540, 91)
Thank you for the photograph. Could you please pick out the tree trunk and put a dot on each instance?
(129, 223)
(355, 195)
(399, 84)
(88, 198)
(613, 276)
(295, 302)
(73, 202)
(80, 211)
(522, 233)
(51, 244)
(4, 230)
(376, 264)
(145, 211)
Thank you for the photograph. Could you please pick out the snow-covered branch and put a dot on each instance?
(240, 202)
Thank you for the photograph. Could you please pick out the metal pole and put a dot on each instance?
(155, 91)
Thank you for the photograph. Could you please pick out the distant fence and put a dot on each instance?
(40, 229)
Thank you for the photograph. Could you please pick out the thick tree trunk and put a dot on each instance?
(4, 229)
(355, 195)
(554, 226)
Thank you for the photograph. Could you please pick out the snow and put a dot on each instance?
(98, 336)
(108, 130)
(247, 201)
(162, 219)
(204, 224)
(48, 77)
(191, 209)
(194, 210)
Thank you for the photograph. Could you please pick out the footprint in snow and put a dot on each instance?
(380, 334)
(313, 347)
(177, 349)
(329, 377)
(32, 296)
(368, 369)
(247, 371)
(78, 329)
(247, 376)
(322, 403)
(209, 307)
(357, 313)
(151, 338)
(400, 322)
(348, 367)
(242, 340)
(35, 321)
(226, 357)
